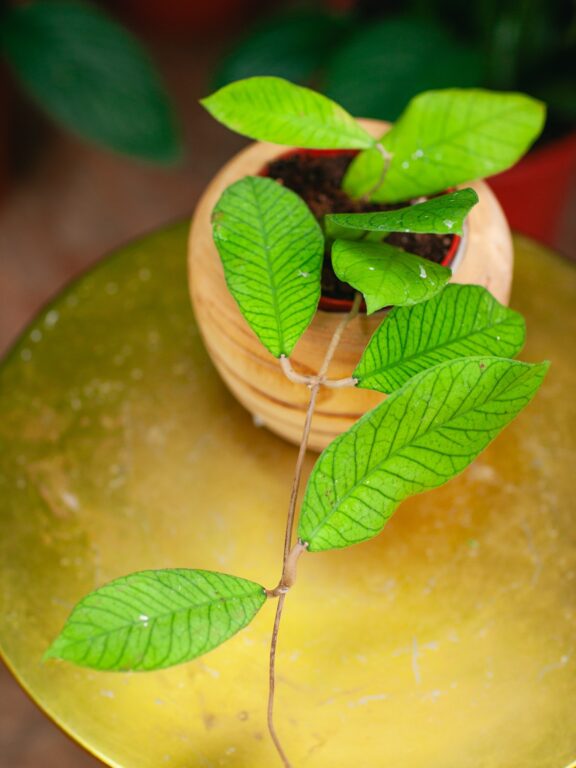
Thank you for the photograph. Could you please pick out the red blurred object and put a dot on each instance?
(185, 17)
(539, 191)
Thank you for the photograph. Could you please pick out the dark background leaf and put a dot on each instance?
(92, 76)
(377, 71)
(291, 45)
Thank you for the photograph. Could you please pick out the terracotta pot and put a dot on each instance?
(253, 375)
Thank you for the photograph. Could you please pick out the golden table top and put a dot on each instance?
(448, 641)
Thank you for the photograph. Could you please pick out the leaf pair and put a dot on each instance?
(442, 139)
(386, 275)
(420, 437)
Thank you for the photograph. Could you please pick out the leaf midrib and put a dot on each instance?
(459, 220)
(270, 271)
(341, 125)
(453, 136)
(152, 619)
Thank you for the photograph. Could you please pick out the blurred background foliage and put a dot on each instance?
(88, 72)
(96, 69)
(91, 75)
(373, 56)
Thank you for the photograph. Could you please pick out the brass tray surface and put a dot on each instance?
(447, 642)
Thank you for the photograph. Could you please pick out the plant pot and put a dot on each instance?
(253, 375)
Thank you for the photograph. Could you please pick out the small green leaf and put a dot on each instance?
(441, 215)
(387, 276)
(92, 76)
(155, 619)
(445, 138)
(417, 439)
(272, 250)
(461, 321)
(272, 109)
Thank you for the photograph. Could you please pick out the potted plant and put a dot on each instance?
(252, 375)
(442, 357)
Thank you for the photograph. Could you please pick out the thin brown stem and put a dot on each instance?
(272, 683)
(291, 374)
(340, 328)
(292, 554)
(315, 386)
(350, 381)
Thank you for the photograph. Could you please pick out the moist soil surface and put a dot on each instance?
(317, 178)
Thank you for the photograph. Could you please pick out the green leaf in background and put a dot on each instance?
(386, 275)
(378, 70)
(272, 109)
(272, 250)
(155, 619)
(441, 215)
(461, 321)
(290, 45)
(417, 439)
(90, 75)
(445, 138)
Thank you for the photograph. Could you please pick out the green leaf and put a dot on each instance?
(398, 58)
(155, 619)
(417, 439)
(386, 275)
(272, 109)
(291, 45)
(91, 76)
(461, 321)
(445, 138)
(272, 250)
(441, 215)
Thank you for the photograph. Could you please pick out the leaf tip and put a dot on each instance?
(52, 651)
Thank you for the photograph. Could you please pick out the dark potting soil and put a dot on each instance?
(317, 178)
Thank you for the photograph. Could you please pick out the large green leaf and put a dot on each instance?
(417, 439)
(445, 138)
(387, 275)
(441, 215)
(155, 619)
(272, 109)
(272, 249)
(378, 69)
(91, 75)
(461, 321)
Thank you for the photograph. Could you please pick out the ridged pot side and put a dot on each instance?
(253, 375)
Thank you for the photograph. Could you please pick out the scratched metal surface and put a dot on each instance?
(448, 641)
